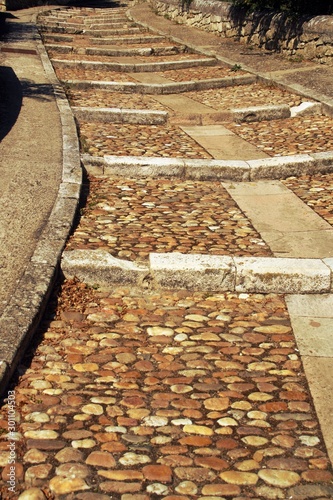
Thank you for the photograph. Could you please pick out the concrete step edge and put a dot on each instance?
(202, 272)
(231, 170)
(121, 115)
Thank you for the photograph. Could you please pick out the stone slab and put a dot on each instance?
(273, 275)
(314, 335)
(222, 143)
(318, 371)
(100, 267)
(320, 306)
(287, 225)
(182, 104)
(192, 272)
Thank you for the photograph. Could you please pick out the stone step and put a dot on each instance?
(114, 31)
(135, 67)
(201, 272)
(160, 88)
(221, 170)
(127, 40)
(117, 115)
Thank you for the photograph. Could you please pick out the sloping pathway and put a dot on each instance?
(191, 382)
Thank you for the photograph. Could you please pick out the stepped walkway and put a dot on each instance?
(187, 352)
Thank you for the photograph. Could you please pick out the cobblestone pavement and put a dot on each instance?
(291, 137)
(131, 218)
(174, 75)
(167, 141)
(315, 191)
(139, 394)
(100, 98)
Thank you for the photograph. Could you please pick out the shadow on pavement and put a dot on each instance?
(12, 92)
(10, 100)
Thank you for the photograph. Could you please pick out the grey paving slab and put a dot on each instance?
(314, 335)
(290, 227)
(222, 143)
(183, 104)
(149, 78)
(320, 305)
(318, 372)
(312, 322)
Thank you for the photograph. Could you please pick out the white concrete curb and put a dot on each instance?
(121, 115)
(135, 67)
(236, 170)
(202, 272)
(161, 88)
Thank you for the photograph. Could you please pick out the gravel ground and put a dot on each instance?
(131, 218)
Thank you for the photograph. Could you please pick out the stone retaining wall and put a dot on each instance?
(308, 38)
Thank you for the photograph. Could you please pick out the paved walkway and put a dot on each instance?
(40, 183)
(134, 393)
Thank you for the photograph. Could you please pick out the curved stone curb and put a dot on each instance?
(121, 115)
(231, 170)
(134, 67)
(202, 272)
(23, 313)
(162, 88)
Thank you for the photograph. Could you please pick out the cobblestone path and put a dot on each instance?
(138, 394)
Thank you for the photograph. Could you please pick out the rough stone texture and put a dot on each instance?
(312, 40)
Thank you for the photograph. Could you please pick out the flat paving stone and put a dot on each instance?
(272, 208)
(315, 191)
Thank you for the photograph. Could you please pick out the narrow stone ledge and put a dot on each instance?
(135, 67)
(192, 272)
(217, 170)
(158, 89)
(222, 170)
(259, 113)
(275, 275)
(280, 167)
(119, 115)
(61, 49)
(100, 267)
(139, 166)
(27, 307)
(202, 272)
(323, 162)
